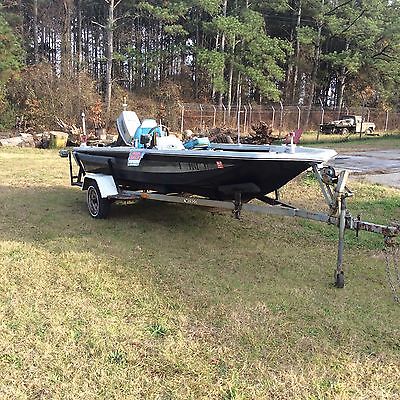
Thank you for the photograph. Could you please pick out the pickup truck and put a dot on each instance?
(348, 124)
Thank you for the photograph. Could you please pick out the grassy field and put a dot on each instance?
(176, 302)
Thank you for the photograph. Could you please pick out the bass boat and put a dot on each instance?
(146, 158)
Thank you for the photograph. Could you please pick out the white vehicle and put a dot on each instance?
(348, 124)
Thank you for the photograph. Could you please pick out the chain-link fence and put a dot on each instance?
(199, 117)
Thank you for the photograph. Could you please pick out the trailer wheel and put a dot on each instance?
(98, 207)
(339, 282)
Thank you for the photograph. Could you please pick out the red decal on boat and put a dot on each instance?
(220, 165)
(135, 155)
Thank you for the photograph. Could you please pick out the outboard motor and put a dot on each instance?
(127, 124)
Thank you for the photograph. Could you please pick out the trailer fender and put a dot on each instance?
(105, 183)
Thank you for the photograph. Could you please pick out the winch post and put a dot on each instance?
(325, 189)
(340, 203)
(237, 205)
(339, 276)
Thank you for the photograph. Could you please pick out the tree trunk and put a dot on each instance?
(289, 70)
(110, 50)
(231, 79)
(138, 60)
(317, 57)
(213, 85)
(196, 65)
(66, 50)
(223, 39)
(297, 55)
(35, 32)
(230, 88)
(79, 35)
(342, 83)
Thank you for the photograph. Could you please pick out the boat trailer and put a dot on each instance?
(103, 190)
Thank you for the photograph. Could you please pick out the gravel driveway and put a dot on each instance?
(376, 166)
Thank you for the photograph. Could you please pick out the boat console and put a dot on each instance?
(141, 135)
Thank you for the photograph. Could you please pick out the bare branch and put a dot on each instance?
(117, 3)
(337, 7)
(96, 23)
(356, 19)
(121, 17)
(382, 52)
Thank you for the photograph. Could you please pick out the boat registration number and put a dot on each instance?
(135, 157)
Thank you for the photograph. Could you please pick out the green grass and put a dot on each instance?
(176, 302)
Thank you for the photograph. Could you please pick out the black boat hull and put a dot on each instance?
(211, 177)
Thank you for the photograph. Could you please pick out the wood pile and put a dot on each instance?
(221, 135)
(262, 134)
(74, 133)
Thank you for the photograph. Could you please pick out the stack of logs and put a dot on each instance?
(26, 136)
(262, 133)
(74, 133)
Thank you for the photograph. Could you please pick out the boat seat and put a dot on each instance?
(198, 143)
(169, 143)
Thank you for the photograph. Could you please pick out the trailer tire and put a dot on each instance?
(98, 207)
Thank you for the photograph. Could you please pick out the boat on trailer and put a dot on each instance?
(147, 163)
(147, 158)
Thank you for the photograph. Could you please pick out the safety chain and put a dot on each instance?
(392, 253)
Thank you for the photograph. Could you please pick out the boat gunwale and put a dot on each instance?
(303, 154)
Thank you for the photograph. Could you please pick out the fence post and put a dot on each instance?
(387, 120)
(298, 117)
(245, 129)
(250, 114)
(215, 116)
(201, 117)
(182, 117)
(238, 122)
(281, 119)
(273, 116)
(238, 127)
(322, 117)
(362, 115)
(84, 123)
(224, 113)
